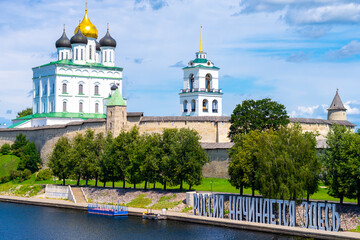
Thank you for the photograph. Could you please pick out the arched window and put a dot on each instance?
(45, 90)
(191, 82)
(105, 56)
(44, 107)
(215, 106)
(62, 55)
(185, 105)
(96, 107)
(67, 55)
(76, 54)
(208, 82)
(96, 90)
(80, 107)
(193, 105)
(64, 88)
(90, 52)
(81, 89)
(109, 56)
(205, 105)
(64, 106)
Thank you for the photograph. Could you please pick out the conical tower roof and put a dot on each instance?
(337, 103)
(116, 99)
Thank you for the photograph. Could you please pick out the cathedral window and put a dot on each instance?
(191, 82)
(81, 89)
(76, 54)
(96, 89)
(208, 82)
(44, 107)
(205, 105)
(82, 54)
(62, 55)
(185, 106)
(105, 56)
(193, 105)
(80, 107)
(53, 89)
(96, 107)
(215, 106)
(90, 52)
(64, 88)
(67, 55)
(45, 90)
(64, 106)
(109, 56)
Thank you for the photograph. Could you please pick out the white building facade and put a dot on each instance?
(201, 95)
(76, 86)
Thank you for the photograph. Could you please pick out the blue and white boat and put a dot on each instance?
(108, 210)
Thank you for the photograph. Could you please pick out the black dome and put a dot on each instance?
(63, 41)
(79, 38)
(107, 41)
(97, 46)
(113, 87)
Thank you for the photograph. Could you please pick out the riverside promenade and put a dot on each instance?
(186, 217)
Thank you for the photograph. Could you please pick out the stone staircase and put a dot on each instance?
(78, 195)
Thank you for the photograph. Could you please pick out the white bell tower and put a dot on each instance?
(201, 95)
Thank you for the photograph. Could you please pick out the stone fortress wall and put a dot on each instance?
(213, 132)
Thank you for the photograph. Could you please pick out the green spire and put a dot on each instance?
(116, 99)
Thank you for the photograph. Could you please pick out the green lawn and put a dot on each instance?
(8, 163)
(218, 185)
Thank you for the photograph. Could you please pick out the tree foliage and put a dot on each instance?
(25, 112)
(257, 115)
(341, 158)
(173, 157)
(279, 164)
(5, 149)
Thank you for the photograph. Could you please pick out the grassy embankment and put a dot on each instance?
(8, 163)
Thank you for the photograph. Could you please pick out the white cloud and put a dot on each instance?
(349, 50)
(351, 107)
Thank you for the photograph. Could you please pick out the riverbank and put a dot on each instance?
(186, 217)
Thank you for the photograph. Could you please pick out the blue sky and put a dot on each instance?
(297, 52)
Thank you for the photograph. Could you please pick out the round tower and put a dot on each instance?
(337, 111)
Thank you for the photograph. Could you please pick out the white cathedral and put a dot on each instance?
(80, 83)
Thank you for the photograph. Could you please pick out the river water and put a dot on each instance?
(18, 221)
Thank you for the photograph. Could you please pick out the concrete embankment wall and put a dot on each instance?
(241, 225)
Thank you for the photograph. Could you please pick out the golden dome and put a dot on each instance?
(87, 28)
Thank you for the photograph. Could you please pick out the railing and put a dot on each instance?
(213, 90)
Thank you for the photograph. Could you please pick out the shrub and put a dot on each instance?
(14, 174)
(44, 175)
(5, 179)
(5, 149)
(26, 174)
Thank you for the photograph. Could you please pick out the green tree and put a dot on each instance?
(168, 161)
(287, 163)
(99, 145)
(30, 158)
(257, 115)
(78, 155)
(150, 168)
(60, 161)
(107, 161)
(25, 112)
(136, 153)
(354, 155)
(19, 144)
(243, 164)
(5, 149)
(339, 170)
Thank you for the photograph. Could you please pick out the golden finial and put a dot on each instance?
(64, 27)
(108, 26)
(86, 5)
(201, 47)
